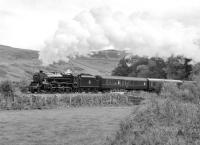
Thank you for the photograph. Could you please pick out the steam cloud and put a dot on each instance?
(138, 33)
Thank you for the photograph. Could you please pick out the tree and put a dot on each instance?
(188, 68)
(157, 68)
(196, 69)
(139, 65)
(122, 69)
(142, 71)
(178, 67)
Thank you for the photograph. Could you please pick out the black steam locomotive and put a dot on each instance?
(67, 82)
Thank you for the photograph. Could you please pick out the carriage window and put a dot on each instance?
(153, 83)
(123, 83)
(118, 82)
(128, 83)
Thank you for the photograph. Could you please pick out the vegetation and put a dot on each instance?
(23, 86)
(160, 122)
(6, 93)
(175, 67)
(46, 101)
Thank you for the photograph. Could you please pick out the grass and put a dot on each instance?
(72, 126)
(160, 122)
(22, 101)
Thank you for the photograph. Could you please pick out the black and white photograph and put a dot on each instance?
(99, 72)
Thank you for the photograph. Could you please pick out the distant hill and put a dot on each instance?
(20, 64)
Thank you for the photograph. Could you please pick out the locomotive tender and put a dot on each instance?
(67, 82)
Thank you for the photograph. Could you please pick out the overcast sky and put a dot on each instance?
(29, 23)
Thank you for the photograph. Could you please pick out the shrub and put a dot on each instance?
(161, 122)
(188, 92)
(7, 91)
(23, 86)
(6, 88)
(170, 90)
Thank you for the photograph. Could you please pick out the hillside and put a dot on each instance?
(19, 64)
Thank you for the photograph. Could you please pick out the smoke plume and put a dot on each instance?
(138, 33)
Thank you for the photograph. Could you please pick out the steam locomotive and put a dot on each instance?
(67, 82)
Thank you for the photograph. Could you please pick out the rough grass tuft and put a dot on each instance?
(160, 122)
(187, 92)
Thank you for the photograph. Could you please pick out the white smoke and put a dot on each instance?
(138, 33)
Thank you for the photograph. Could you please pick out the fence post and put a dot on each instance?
(92, 100)
(118, 99)
(101, 99)
(70, 100)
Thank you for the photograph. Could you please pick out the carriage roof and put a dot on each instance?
(124, 78)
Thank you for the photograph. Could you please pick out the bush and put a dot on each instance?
(7, 94)
(7, 90)
(170, 90)
(23, 86)
(161, 122)
(188, 92)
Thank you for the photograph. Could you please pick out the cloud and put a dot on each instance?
(139, 33)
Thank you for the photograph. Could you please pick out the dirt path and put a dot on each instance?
(73, 126)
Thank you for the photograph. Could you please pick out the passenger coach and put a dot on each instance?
(125, 83)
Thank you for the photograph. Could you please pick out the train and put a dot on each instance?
(52, 82)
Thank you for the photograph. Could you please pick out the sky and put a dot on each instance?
(29, 23)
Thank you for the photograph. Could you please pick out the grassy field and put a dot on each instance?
(70, 126)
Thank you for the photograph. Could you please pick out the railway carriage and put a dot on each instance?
(87, 82)
(156, 84)
(125, 83)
